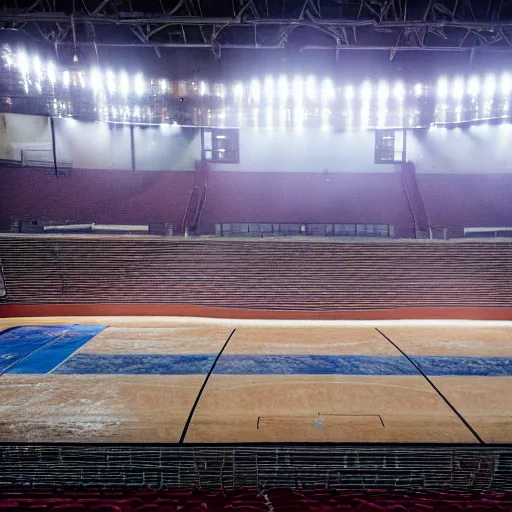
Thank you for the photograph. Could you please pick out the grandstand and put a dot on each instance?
(255, 256)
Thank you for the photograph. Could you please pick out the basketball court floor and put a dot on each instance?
(172, 380)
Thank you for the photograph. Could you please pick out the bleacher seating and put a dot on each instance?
(249, 500)
(299, 275)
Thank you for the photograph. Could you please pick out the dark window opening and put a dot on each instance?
(221, 145)
(240, 229)
(389, 146)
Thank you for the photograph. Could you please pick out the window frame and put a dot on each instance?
(216, 134)
(380, 135)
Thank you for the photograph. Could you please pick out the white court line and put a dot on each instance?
(128, 321)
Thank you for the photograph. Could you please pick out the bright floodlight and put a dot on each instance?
(50, 71)
(349, 93)
(111, 82)
(381, 117)
(139, 84)
(255, 91)
(442, 87)
(489, 86)
(238, 91)
(65, 78)
(399, 91)
(163, 85)
(203, 88)
(473, 86)
(458, 88)
(366, 91)
(311, 90)
(268, 88)
(8, 60)
(298, 90)
(220, 90)
(37, 67)
(418, 90)
(23, 63)
(328, 91)
(124, 83)
(298, 117)
(382, 91)
(81, 79)
(506, 84)
(96, 79)
(282, 89)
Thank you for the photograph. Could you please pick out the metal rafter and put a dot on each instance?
(447, 25)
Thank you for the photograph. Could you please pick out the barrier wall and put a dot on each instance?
(256, 274)
(138, 197)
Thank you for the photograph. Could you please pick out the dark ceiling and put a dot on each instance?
(240, 38)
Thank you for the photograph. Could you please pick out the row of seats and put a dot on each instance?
(275, 274)
(249, 500)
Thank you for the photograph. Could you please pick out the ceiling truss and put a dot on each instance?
(335, 25)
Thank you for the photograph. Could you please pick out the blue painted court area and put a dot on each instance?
(200, 364)
(40, 349)
(465, 366)
(142, 364)
(51, 349)
(237, 365)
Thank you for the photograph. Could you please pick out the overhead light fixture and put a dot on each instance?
(366, 91)
(489, 86)
(65, 79)
(268, 89)
(311, 90)
(255, 90)
(111, 82)
(124, 83)
(418, 90)
(399, 91)
(458, 88)
(282, 89)
(442, 87)
(139, 85)
(473, 86)
(328, 91)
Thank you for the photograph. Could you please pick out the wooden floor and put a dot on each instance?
(140, 380)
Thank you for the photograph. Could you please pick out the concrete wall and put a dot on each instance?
(93, 145)
(301, 197)
(18, 132)
(265, 150)
(457, 201)
(166, 148)
(108, 146)
(110, 197)
(475, 149)
(89, 145)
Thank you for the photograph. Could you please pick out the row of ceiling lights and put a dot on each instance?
(269, 88)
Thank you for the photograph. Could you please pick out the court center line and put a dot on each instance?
(196, 402)
(435, 388)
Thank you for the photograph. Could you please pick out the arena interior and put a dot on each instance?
(255, 255)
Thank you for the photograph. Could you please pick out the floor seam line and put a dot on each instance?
(201, 390)
(434, 387)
